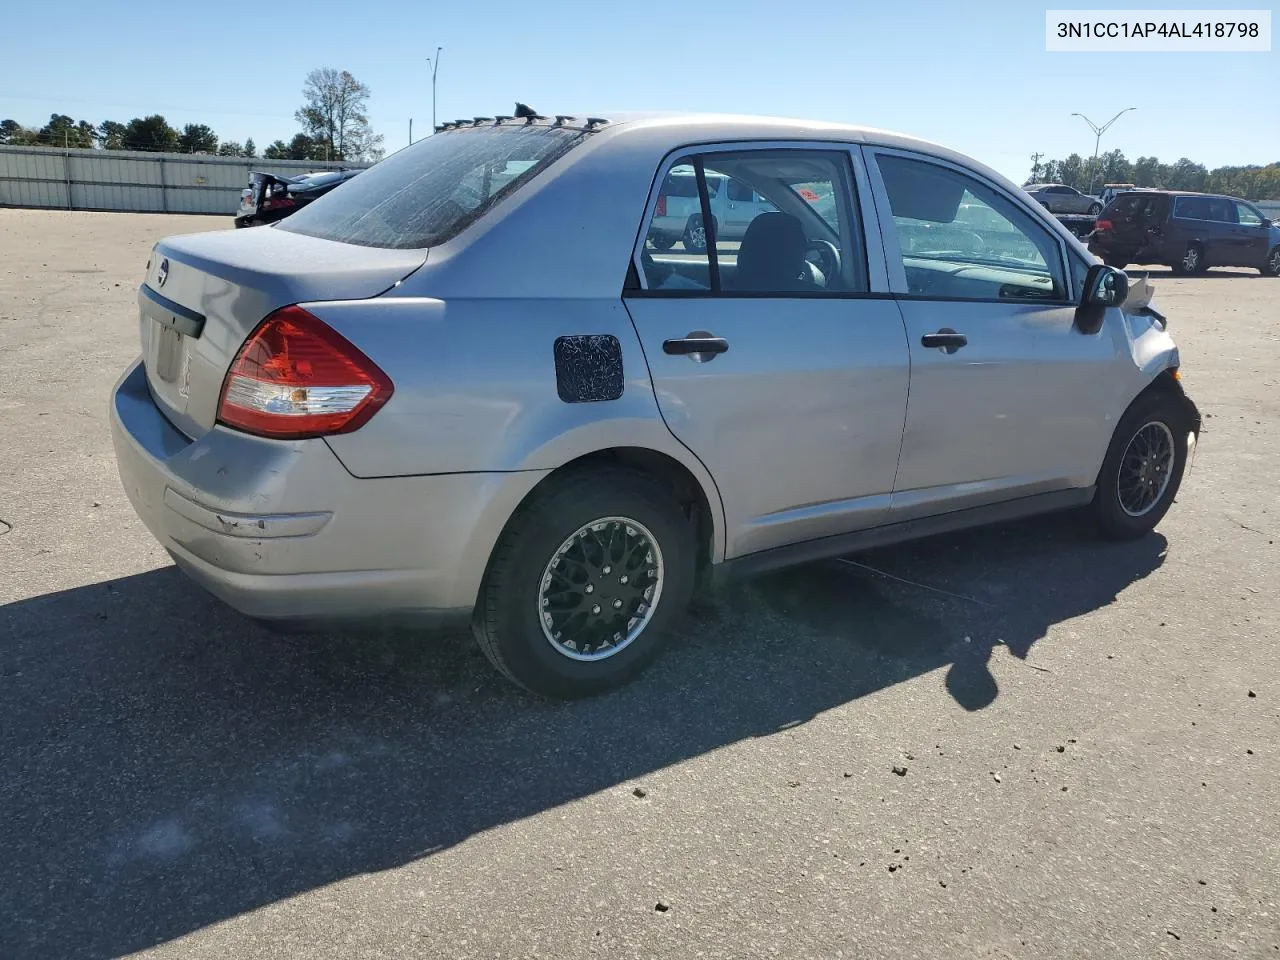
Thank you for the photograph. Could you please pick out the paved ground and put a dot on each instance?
(1088, 772)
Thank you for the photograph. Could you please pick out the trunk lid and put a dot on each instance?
(205, 293)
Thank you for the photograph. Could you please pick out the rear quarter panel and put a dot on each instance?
(476, 388)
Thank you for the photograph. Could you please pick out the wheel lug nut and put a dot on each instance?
(596, 609)
(607, 570)
(623, 579)
(617, 604)
(591, 588)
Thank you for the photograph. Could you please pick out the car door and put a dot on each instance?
(1252, 235)
(1061, 200)
(1220, 232)
(792, 392)
(1008, 398)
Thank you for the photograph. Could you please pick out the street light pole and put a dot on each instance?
(435, 65)
(1098, 131)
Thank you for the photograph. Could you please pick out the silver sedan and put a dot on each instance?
(463, 386)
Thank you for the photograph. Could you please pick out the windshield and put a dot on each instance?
(429, 192)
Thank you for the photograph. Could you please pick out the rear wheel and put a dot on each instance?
(1191, 261)
(585, 582)
(1095, 209)
(695, 235)
(1117, 260)
(1143, 468)
(1272, 267)
(661, 242)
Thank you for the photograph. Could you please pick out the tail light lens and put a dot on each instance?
(661, 210)
(1102, 225)
(297, 377)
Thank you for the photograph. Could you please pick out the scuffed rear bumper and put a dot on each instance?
(280, 530)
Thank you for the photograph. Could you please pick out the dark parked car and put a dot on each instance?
(269, 198)
(1058, 198)
(1188, 231)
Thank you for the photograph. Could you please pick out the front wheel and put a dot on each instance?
(585, 582)
(1272, 267)
(1095, 209)
(1143, 468)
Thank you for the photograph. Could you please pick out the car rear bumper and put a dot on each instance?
(280, 530)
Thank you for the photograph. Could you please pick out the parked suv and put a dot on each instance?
(1058, 198)
(1188, 231)
(678, 216)
(463, 387)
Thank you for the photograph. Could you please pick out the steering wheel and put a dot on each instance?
(827, 257)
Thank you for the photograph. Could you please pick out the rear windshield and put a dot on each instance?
(1136, 205)
(431, 191)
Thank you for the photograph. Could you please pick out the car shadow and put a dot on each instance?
(169, 765)
(1213, 273)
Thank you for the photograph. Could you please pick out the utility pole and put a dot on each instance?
(411, 131)
(1098, 131)
(1035, 167)
(435, 65)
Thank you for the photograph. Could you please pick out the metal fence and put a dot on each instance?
(138, 182)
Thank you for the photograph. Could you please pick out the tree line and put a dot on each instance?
(1251, 182)
(333, 118)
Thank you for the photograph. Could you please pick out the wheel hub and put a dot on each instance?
(1145, 469)
(600, 589)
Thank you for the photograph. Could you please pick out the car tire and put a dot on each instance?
(1192, 261)
(662, 244)
(695, 237)
(1095, 209)
(1271, 268)
(1143, 468)
(567, 654)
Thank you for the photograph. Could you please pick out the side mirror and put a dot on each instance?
(1103, 287)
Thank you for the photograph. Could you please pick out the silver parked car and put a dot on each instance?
(1059, 198)
(465, 387)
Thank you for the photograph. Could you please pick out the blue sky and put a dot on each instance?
(975, 77)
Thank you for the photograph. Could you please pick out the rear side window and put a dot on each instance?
(1191, 208)
(429, 192)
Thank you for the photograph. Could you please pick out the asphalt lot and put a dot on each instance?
(1088, 731)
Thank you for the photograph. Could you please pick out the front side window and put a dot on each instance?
(431, 191)
(961, 240)
(782, 225)
(1247, 216)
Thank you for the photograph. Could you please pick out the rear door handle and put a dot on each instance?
(947, 339)
(696, 343)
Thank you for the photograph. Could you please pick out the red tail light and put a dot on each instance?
(661, 210)
(1102, 225)
(296, 377)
